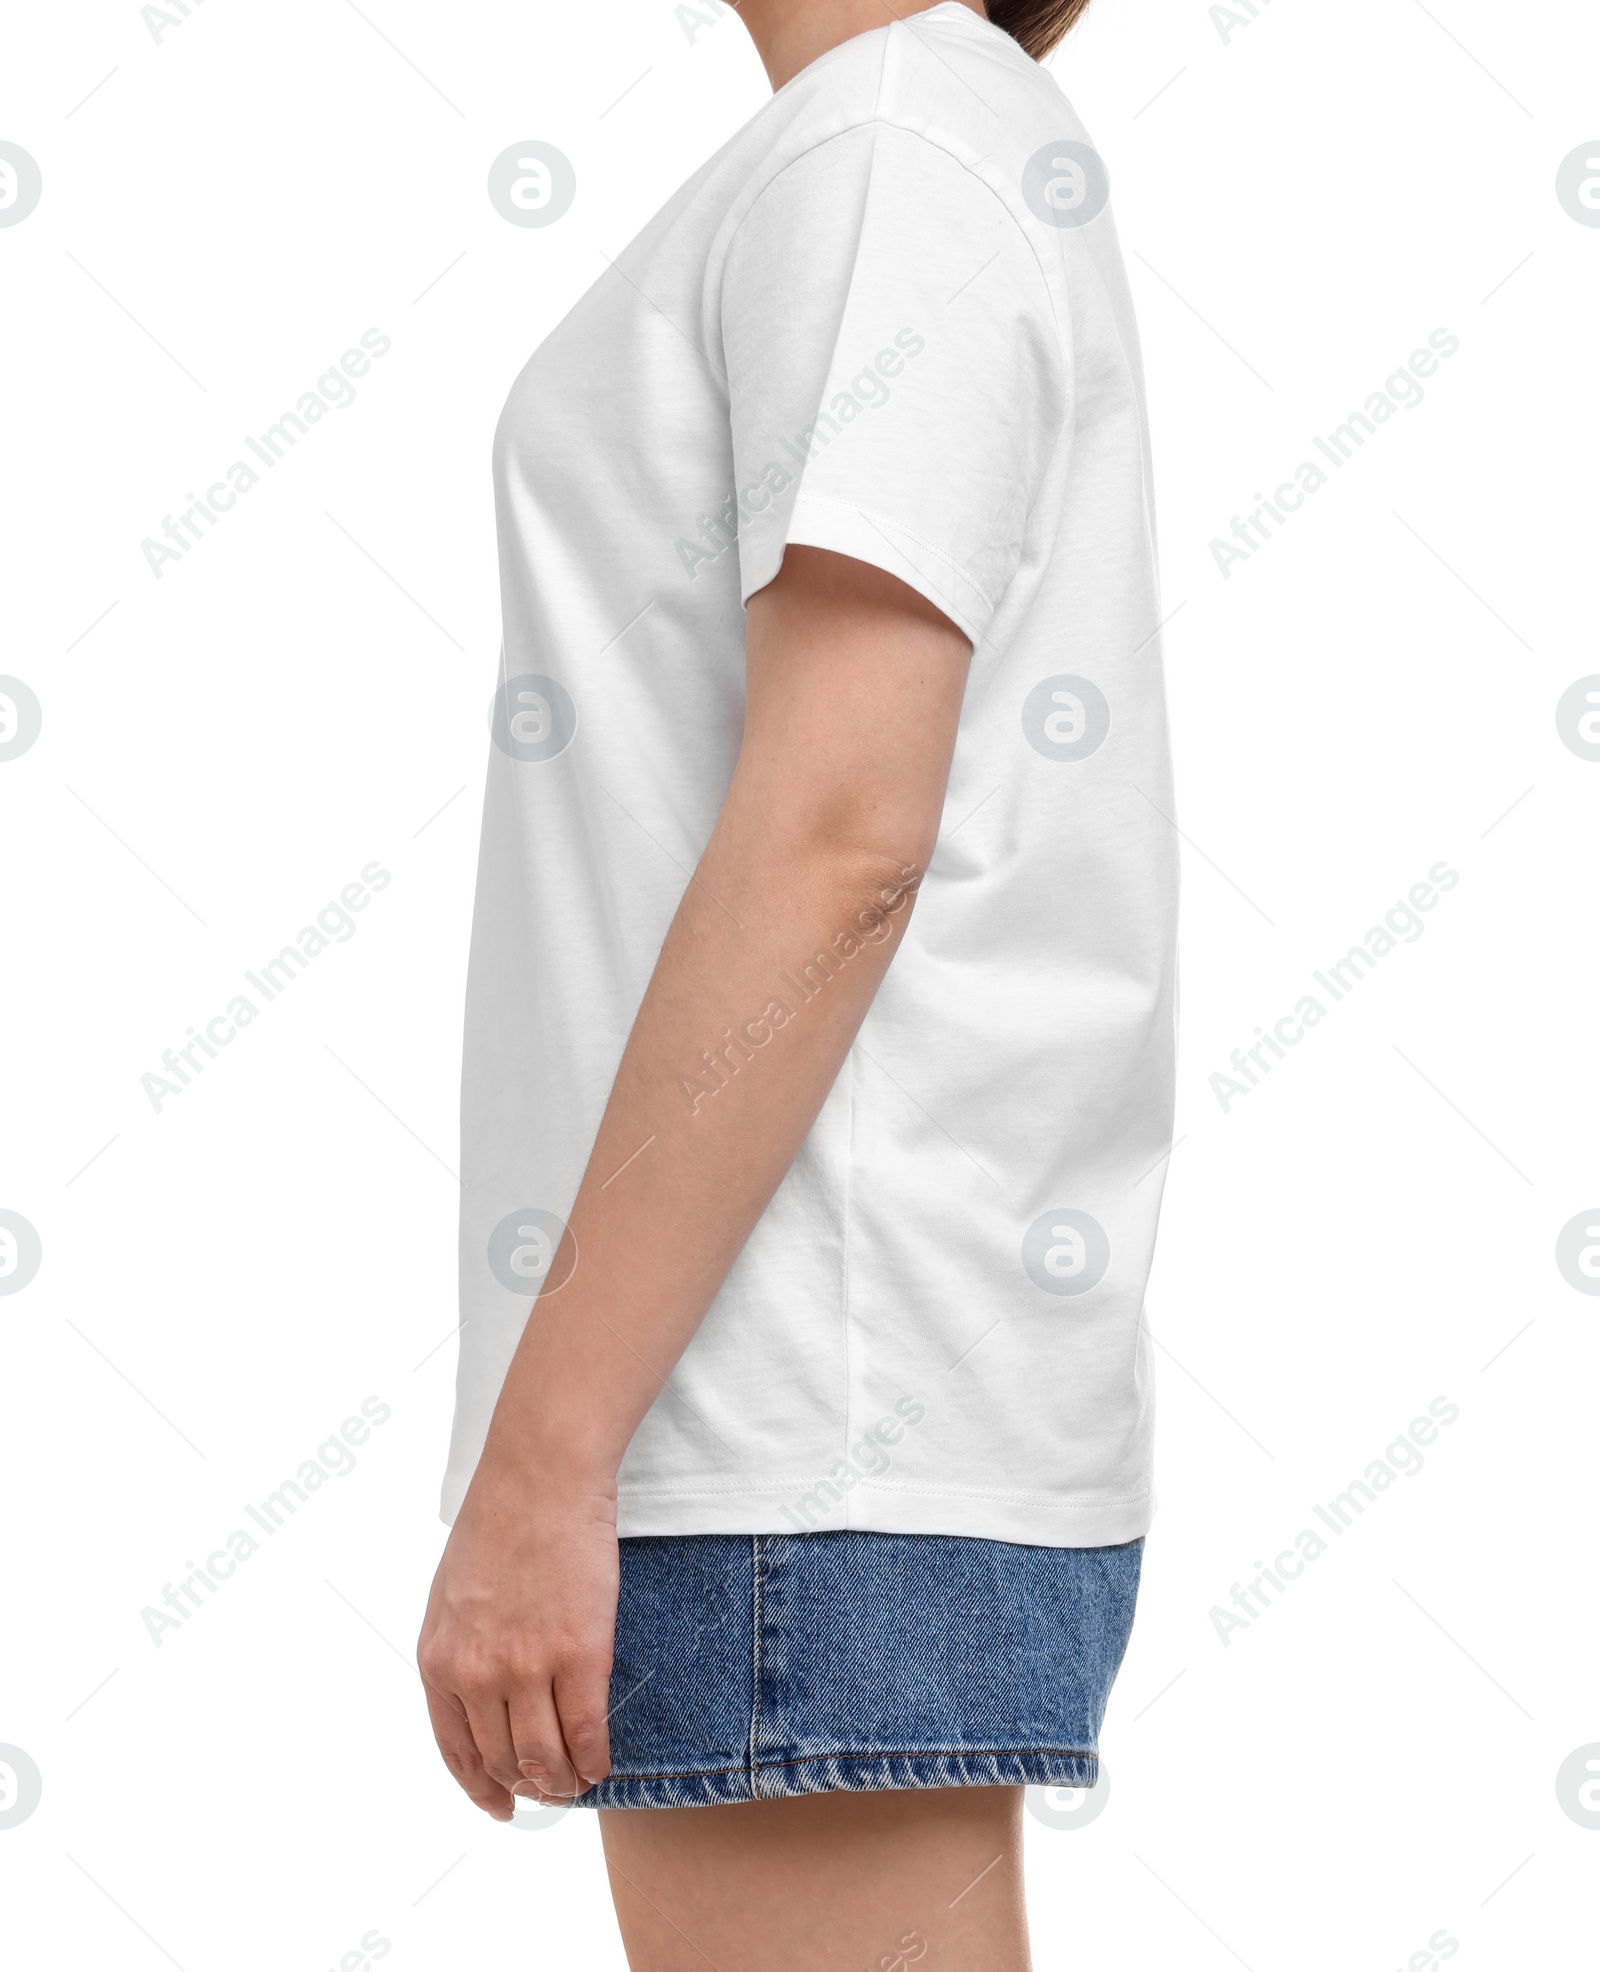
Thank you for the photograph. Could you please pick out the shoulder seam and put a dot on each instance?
(879, 121)
(921, 136)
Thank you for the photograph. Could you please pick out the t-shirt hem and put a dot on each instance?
(788, 1507)
(1026, 1520)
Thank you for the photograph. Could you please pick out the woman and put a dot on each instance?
(819, 1031)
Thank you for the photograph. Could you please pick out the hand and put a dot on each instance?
(515, 1651)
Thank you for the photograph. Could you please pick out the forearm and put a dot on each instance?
(773, 958)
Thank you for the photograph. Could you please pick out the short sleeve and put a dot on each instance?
(896, 376)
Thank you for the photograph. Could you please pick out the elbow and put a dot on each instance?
(870, 890)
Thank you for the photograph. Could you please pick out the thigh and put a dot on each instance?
(902, 1881)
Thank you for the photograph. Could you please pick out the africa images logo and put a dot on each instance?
(1066, 184)
(1401, 391)
(20, 184)
(334, 390)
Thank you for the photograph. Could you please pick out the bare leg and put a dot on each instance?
(926, 1880)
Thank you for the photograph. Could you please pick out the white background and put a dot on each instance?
(1373, 1759)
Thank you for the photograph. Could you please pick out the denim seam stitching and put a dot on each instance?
(922, 1753)
(754, 1761)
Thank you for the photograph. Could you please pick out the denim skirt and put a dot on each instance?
(751, 1667)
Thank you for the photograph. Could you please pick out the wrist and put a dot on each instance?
(523, 1467)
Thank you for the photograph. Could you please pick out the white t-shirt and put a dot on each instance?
(888, 318)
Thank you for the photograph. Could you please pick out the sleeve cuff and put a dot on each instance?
(883, 542)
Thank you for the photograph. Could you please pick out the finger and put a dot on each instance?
(491, 1731)
(582, 1696)
(541, 1753)
(459, 1751)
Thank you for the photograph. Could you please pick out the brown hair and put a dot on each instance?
(1037, 24)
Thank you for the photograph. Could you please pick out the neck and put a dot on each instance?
(791, 34)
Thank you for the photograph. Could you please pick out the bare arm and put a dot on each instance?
(854, 692)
